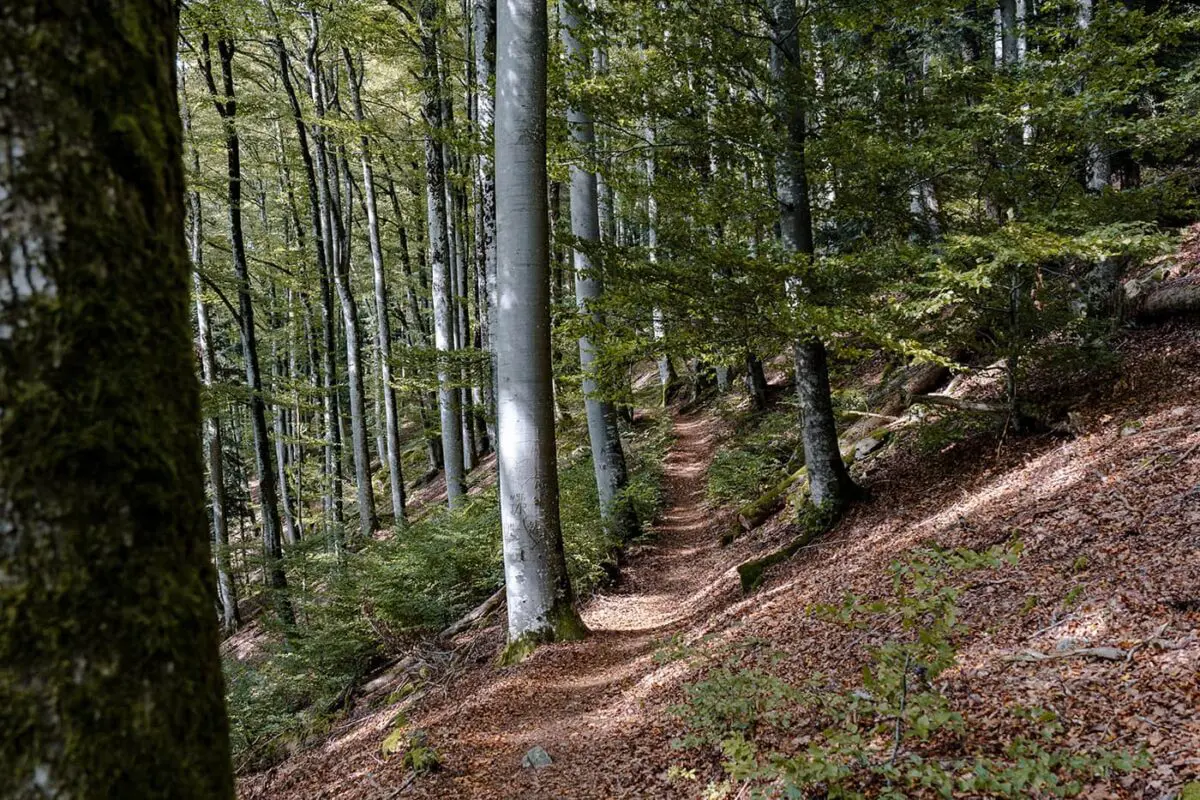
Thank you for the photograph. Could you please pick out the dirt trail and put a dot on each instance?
(583, 702)
(1110, 521)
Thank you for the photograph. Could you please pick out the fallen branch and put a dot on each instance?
(958, 403)
(755, 513)
(476, 614)
(391, 671)
(751, 572)
(1150, 298)
(1104, 653)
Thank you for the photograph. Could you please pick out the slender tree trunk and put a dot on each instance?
(452, 443)
(419, 333)
(462, 327)
(279, 427)
(317, 204)
(383, 330)
(756, 382)
(325, 217)
(829, 482)
(540, 600)
(608, 460)
(359, 436)
(485, 59)
(226, 591)
(290, 534)
(112, 684)
(226, 104)
(667, 377)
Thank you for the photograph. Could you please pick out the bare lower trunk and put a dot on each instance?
(830, 483)
(226, 591)
(540, 601)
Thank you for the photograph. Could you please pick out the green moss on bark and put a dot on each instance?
(110, 680)
(565, 626)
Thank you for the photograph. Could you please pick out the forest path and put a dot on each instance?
(583, 702)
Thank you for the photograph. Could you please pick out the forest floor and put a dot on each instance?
(1109, 517)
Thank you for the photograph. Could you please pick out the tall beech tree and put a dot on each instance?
(383, 331)
(829, 482)
(440, 263)
(225, 101)
(608, 459)
(111, 683)
(540, 600)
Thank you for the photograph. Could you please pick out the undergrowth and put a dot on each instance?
(388, 594)
(895, 733)
(756, 455)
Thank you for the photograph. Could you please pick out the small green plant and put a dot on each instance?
(894, 733)
(386, 594)
(759, 453)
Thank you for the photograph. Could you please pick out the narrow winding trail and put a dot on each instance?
(584, 702)
(598, 706)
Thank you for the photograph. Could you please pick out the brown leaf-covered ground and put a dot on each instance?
(1110, 520)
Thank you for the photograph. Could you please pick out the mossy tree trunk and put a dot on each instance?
(110, 682)
(828, 479)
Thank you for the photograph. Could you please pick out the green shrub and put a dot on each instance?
(895, 733)
(390, 593)
(759, 453)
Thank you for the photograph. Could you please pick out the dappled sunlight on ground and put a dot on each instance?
(1110, 524)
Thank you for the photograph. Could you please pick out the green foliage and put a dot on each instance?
(756, 457)
(951, 428)
(896, 733)
(391, 592)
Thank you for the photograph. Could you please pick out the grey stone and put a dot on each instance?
(537, 757)
(866, 446)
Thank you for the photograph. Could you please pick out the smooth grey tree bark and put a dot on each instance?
(416, 330)
(485, 60)
(439, 261)
(226, 590)
(540, 600)
(327, 215)
(225, 102)
(608, 460)
(340, 264)
(108, 639)
(383, 330)
(332, 491)
(829, 482)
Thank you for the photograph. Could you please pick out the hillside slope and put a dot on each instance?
(1110, 522)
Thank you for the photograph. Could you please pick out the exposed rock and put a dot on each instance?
(867, 446)
(536, 758)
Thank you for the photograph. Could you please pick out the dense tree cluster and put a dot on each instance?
(422, 231)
